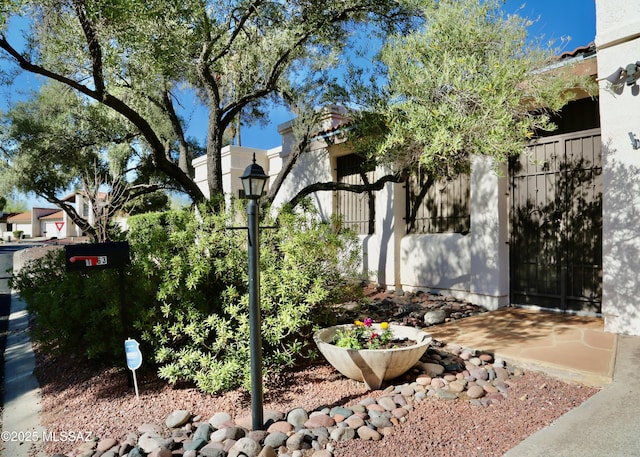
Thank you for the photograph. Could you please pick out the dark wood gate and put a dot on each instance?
(556, 223)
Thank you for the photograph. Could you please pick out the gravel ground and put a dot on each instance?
(90, 401)
(84, 401)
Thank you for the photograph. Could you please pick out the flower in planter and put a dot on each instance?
(362, 335)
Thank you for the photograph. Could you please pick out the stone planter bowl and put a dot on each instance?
(373, 366)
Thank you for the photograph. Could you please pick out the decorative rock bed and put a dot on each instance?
(444, 372)
(414, 309)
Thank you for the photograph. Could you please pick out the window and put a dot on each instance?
(85, 210)
(357, 209)
(438, 205)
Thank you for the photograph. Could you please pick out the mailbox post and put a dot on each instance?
(102, 256)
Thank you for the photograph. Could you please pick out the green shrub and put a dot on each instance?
(199, 328)
(187, 295)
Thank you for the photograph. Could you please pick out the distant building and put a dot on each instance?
(48, 223)
(6, 227)
(32, 224)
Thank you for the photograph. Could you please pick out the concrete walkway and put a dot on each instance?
(606, 425)
(572, 347)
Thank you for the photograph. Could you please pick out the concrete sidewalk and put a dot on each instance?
(606, 425)
(21, 430)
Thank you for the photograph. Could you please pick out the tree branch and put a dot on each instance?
(93, 44)
(156, 145)
(357, 188)
(81, 222)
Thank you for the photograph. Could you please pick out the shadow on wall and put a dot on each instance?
(384, 238)
(436, 261)
(621, 301)
(311, 167)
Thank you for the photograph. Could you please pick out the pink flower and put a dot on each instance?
(368, 322)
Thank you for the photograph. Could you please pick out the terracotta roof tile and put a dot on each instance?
(20, 217)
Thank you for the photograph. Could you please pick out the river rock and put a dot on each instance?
(280, 426)
(320, 420)
(431, 369)
(268, 451)
(343, 434)
(161, 452)
(178, 418)
(295, 441)
(368, 434)
(150, 441)
(106, 444)
(387, 403)
(475, 392)
(297, 417)
(342, 411)
(202, 432)
(275, 439)
(435, 317)
(354, 422)
(230, 433)
(218, 419)
(479, 373)
(245, 447)
(212, 452)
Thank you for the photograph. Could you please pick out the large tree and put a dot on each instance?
(469, 82)
(138, 58)
(60, 141)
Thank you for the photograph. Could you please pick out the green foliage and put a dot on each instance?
(79, 313)
(199, 327)
(15, 206)
(17, 234)
(468, 83)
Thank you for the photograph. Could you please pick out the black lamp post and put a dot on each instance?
(253, 181)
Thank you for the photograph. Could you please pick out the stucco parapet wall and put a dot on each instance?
(330, 125)
(617, 22)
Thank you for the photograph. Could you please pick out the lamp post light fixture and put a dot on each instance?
(253, 182)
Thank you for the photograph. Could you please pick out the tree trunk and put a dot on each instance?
(214, 160)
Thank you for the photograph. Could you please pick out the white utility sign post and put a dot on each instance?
(134, 359)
